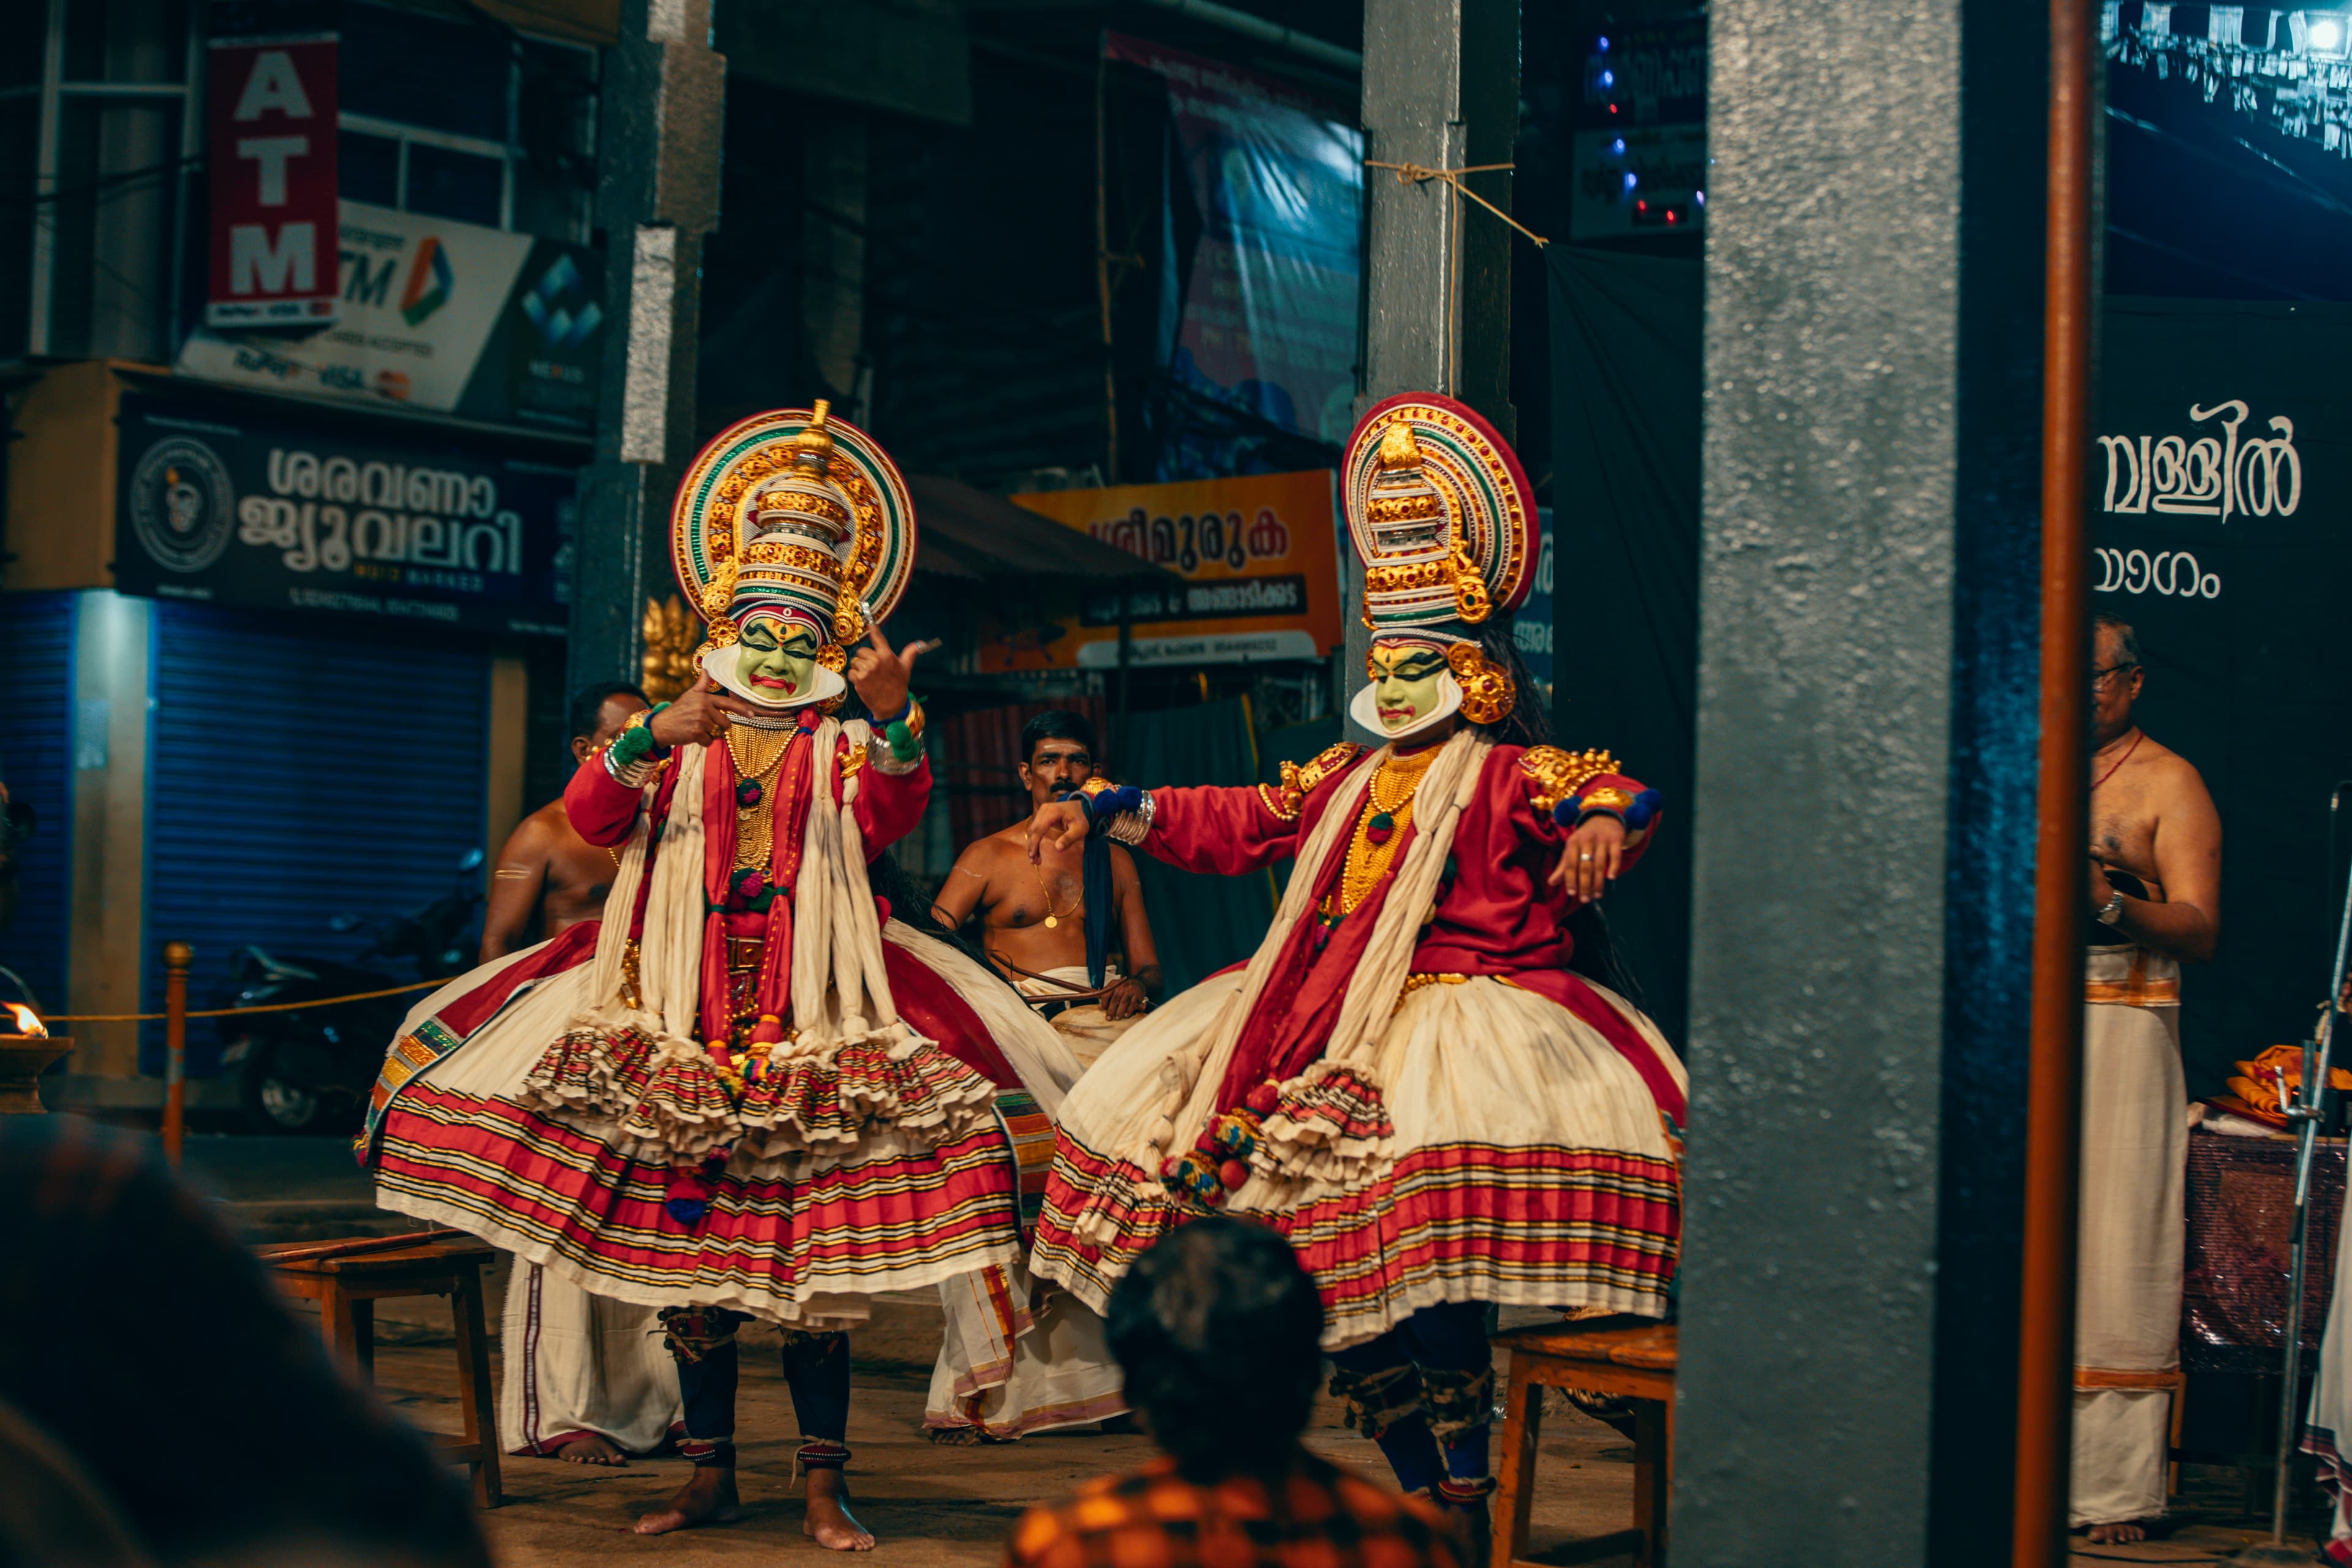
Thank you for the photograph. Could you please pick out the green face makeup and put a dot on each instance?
(778, 661)
(1405, 683)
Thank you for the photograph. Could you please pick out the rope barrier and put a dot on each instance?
(1416, 174)
(48, 1018)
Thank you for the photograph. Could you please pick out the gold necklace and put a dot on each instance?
(1051, 919)
(755, 823)
(1388, 812)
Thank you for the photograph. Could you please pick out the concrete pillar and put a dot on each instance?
(1863, 817)
(658, 137)
(112, 661)
(1440, 89)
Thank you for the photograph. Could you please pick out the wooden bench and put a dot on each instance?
(1632, 1358)
(347, 1290)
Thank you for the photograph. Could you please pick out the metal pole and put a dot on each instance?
(177, 958)
(2311, 1096)
(1102, 266)
(2046, 1383)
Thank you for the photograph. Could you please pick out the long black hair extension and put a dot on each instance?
(1595, 953)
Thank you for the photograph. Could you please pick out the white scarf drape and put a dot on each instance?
(1195, 1076)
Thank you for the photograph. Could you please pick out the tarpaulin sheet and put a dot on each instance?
(1266, 317)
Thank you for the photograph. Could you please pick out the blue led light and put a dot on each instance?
(1609, 78)
(1604, 46)
(1700, 198)
(1630, 181)
(1618, 146)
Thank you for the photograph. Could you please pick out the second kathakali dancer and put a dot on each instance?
(1406, 1080)
(747, 1091)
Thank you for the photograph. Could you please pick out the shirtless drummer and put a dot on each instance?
(1039, 923)
(2155, 890)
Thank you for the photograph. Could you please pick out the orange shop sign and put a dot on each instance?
(1258, 557)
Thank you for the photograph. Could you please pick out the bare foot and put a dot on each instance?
(954, 1436)
(708, 1497)
(2117, 1534)
(1475, 1524)
(589, 1449)
(828, 1520)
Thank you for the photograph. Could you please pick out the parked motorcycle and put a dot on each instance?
(309, 1070)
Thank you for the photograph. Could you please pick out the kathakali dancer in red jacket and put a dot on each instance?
(1407, 1079)
(747, 1091)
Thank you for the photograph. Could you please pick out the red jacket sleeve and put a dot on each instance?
(602, 809)
(1229, 829)
(888, 805)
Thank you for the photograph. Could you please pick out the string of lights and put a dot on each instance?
(2292, 69)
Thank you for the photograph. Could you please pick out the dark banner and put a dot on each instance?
(284, 516)
(2223, 480)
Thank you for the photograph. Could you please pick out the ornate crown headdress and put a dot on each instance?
(1442, 516)
(1444, 520)
(798, 515)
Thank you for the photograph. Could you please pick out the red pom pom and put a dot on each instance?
(1264, 1098)
(1232, 1174)
(770, 1031)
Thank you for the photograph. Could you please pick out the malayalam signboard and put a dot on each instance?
(1258, 557)
(275, 516)
(451, 316)
(270, 138)
(2219, 498)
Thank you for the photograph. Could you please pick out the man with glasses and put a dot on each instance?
(2154, 883)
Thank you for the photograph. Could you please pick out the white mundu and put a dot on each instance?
(2129, 1252)
(577, 1363)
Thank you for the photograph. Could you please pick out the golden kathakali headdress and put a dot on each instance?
(1444, 520)
(798, 516)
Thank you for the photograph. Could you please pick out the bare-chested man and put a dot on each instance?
(2154, 884)
(1033, 917)
(588, 1380)
(548, 877)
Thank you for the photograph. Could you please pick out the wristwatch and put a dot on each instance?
(2112, 911)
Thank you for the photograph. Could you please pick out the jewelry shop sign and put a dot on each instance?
(275, 516)
(1258, 559)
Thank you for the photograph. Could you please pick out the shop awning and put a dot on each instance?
(965, 533)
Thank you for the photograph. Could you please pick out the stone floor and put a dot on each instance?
(929, 1505)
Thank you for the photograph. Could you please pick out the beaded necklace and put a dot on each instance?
(1388, 811)
(759, 757)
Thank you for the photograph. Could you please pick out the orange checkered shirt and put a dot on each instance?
(1319, 1516)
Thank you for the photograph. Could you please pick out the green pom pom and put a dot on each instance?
(903, 744)
(632, 745)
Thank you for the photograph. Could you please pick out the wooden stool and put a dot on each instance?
(347, 1290)
(1632, 1358)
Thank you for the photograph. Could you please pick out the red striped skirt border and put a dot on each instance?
(550, 1191)
(1470, 1222)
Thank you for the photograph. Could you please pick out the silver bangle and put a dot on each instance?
(883, 760)
(1130, 827)
(630, 775)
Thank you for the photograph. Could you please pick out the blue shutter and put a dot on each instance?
(295, 776)
(36, 633)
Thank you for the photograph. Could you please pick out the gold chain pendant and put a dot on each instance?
(1380, 829)
(755, 824)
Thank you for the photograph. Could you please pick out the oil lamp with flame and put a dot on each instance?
(27, 1048)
